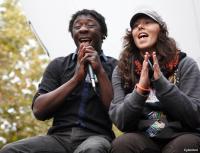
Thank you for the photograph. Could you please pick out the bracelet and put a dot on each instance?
(141, 88)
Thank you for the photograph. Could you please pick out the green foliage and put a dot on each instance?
(22, 62)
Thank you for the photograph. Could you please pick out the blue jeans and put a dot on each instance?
(75, 140)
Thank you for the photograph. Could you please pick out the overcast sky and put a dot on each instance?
(50, 20)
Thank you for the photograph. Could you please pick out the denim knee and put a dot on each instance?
(93, 144)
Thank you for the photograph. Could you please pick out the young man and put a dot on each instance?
(78, 107)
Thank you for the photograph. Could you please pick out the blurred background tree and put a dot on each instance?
(22, 62)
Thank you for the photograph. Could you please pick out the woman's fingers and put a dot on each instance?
(157, 72)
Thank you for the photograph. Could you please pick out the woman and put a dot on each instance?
(156, 92)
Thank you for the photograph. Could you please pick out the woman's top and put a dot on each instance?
(172, 107)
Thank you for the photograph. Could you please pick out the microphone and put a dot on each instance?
(92, 76)
(150, 65)
(90, 71)
(151, 69)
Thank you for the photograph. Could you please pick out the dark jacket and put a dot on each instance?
(82, 108)
(179, 102)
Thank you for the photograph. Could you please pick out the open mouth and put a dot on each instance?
(142, 35)
(85, 40)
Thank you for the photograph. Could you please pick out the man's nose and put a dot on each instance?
(83, 28)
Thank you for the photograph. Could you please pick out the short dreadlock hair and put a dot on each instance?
(100, 19)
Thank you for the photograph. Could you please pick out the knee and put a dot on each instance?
(119, 142)
(95, 144)
(125, 139)
(123, 142)
(95, 148)
(8, 148)
(132, 143)
(183, 143)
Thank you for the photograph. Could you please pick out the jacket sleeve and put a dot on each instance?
(182, 102)
(125, 110)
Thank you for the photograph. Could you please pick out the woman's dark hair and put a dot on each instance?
(165, 47)
(100, 19)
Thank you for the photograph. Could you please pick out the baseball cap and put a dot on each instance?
(150, 13)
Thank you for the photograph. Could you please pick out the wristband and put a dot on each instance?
(141, 88)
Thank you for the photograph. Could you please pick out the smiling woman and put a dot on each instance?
(145, 32)
(155, 106)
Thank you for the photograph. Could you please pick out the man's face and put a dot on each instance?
(87, 30)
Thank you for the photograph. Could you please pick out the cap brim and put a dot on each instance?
(137, 15)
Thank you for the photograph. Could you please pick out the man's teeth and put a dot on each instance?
(85, 40)
(85, 43)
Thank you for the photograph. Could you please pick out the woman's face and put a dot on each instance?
(145, 33)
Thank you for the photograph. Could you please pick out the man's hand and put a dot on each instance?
(80, 71)
(91, 57)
